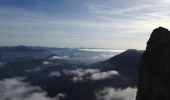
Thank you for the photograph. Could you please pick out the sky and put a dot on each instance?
(117, 24)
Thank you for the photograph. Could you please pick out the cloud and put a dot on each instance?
(55, 73)
(119, 22)
(138, 14)
(116, 94)
(46, 62)
(79, 73)
(133, 11)
(89, 74)
(58, 57)
(103, 75)
(2, 64)
(101, 50)
(16, 89)
(61, 32)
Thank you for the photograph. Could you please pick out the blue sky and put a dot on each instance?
(118, 24)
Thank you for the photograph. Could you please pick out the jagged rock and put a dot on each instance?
(154, 71)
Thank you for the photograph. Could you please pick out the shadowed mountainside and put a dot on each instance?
(127, 63)
(154, 71)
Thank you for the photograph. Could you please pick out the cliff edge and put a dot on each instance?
(154, 70)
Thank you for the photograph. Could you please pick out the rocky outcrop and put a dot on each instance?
(154, 71)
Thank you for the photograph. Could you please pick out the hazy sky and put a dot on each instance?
(118, 24)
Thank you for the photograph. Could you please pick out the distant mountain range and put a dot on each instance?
(54, 71)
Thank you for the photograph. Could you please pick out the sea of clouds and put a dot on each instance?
(17, 89)
(80, 74)
(111, 93)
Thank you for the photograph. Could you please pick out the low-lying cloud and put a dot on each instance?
(103, 75)
(2, 64)
(89, 74)
(16, 89)
(58, 57)
(102, 50)
(46, 62)
(80, 71)
(55, 73)
(116, 94)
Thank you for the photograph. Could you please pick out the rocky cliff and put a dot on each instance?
(154, 71)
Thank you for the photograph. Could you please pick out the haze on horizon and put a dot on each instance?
(119, 24)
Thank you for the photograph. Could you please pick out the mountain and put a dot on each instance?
(128, 59)
(126, 63)
(21, 53)
(61, 70)
(154, 71)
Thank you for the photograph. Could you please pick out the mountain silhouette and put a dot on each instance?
(129, 58)
(126, 63)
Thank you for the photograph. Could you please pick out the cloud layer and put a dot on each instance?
(55, 73)
(79, 74)
(58, 57)
(116, 94)
(90, 74)
(16, 89)
(97, 23)
(103, 75)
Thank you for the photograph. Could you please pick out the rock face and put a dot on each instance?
(154, 71)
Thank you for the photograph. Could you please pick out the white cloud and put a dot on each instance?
(140, 16)
(89, 74)
(55, 73)
(46, 62)
(58, 57)
(103, 75)
(102, 50)
(16, 89)
(108, 22)
(116, 94)
(80, 71)
(60, 96)
(54, 31)
(141, 10)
